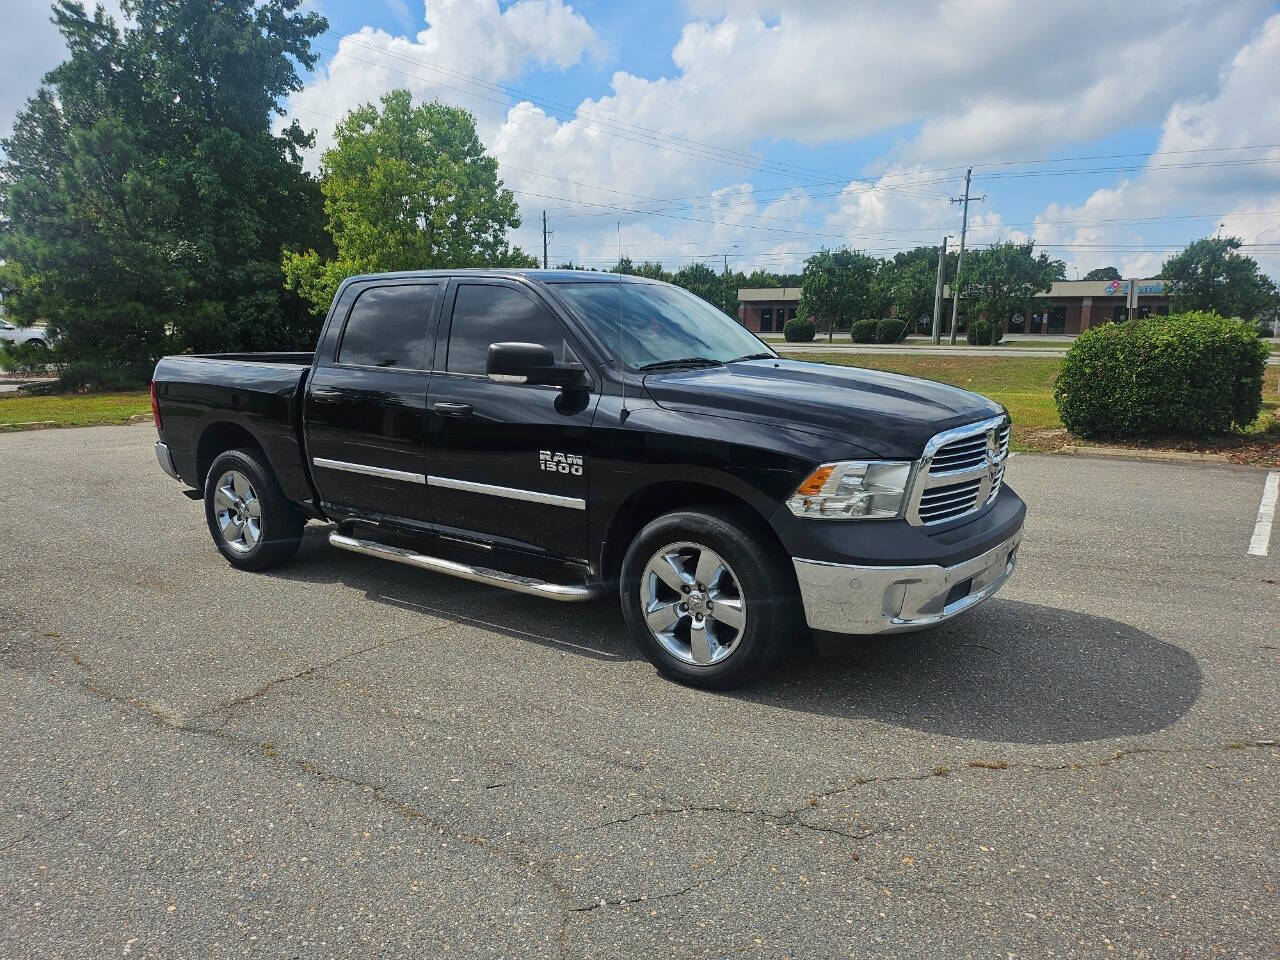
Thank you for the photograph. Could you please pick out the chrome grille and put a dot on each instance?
(961, 471)
(948, 501)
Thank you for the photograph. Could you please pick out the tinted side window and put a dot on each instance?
(388, 327)
(485, 314)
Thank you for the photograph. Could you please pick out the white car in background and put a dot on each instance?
(12, 334)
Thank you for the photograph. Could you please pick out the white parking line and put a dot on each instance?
(1266, 515)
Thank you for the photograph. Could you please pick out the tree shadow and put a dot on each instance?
(1006, 671)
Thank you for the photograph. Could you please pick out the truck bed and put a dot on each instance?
(261, 392)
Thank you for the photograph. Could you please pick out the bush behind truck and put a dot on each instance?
(1192, 374)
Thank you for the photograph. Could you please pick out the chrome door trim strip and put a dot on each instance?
(511, 493)
(385, 472)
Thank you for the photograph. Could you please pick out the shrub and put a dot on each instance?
(1192, 374)
(863, 331)
(983, 333)
(890, 330)
(799, 330)
(24, 359)
(80, 376)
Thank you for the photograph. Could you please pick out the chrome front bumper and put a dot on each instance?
(166, 461)
(842, 598)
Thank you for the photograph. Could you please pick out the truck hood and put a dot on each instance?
(887, 414)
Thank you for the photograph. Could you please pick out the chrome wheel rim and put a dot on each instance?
(238, 511)
(692, 602)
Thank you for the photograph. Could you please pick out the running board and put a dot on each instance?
(494, 578)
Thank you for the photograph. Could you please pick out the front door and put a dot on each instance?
(366, 406)
(506, 462)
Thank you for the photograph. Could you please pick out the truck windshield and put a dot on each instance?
(663, 326)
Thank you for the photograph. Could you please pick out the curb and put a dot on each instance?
(27, 425)
(1141, 453)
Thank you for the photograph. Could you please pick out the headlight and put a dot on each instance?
(852, 490)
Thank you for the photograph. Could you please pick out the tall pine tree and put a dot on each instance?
(147, 198)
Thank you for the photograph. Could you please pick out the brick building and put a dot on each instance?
(766, 309)
(1069, 307)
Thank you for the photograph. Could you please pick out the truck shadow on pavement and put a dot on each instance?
(1006, 672)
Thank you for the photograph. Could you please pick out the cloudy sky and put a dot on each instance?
(1112, 133)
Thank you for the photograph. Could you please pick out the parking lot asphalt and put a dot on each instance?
(345, 757)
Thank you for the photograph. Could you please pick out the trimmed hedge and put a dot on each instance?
(863, 331)
(1192, 375)
(799, 330)
(983, 333)
(890, 330)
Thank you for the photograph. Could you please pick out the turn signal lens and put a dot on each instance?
(812, 485)
(852, 490)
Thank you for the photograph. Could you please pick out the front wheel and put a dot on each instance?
(252, 523)
(706, 600)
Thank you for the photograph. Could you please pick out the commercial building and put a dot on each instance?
(1070, 306)
(766, 309)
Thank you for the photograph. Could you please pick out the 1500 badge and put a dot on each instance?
(560, 462)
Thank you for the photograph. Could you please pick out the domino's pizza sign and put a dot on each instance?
(1152, 288)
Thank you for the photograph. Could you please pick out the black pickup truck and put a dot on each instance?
(566, 434)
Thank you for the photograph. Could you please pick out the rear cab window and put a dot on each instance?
(387, 327)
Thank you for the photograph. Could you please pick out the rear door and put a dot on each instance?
(366, 403)
(507, 462)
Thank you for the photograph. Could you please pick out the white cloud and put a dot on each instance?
(961, 82)
(1245, 111)
(30, 46)
(465, 41)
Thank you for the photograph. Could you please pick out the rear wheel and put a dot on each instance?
(252, 523)
(706, 600)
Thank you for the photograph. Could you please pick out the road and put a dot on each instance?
(349, 758)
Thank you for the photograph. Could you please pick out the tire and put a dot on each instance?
(251, 522)
(661, 571)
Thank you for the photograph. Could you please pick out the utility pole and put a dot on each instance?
(544, 239)
(937, 293)
(964, 229)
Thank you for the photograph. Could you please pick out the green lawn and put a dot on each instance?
(1025, 386)
(74, 409)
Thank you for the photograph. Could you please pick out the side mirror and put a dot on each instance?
(529, 363)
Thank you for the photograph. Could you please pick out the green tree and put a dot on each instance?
(1103, 273)
(407, 188)
(700, 279)
(912, 289)
(1002, 279)
(1211, 274)
(839, 286)
(146, 198)
(652, 270)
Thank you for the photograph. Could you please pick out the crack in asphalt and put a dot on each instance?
(785, 818)
(42, 827)
(519, 853)
(627, 901)
(791, 816)
(246, 698)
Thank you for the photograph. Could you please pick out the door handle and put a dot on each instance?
(446, 409)
(323, 394)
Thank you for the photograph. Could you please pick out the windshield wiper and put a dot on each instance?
(755, 356)
(682, 362)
